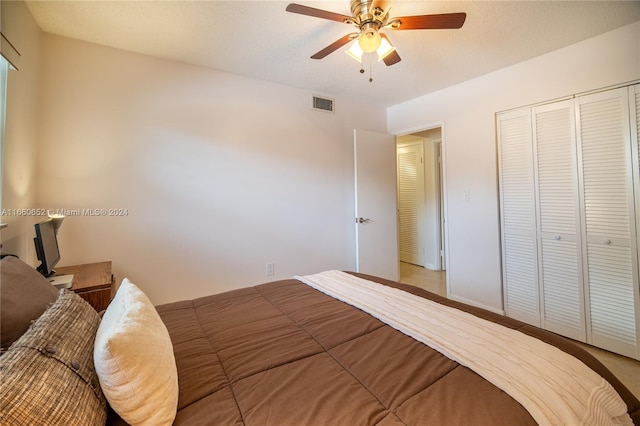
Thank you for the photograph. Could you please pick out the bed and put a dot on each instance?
(289, 353)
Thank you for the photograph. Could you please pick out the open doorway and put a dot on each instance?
(421, 210)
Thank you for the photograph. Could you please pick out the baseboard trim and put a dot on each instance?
(474, 303)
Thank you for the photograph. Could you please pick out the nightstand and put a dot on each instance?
(93, 282)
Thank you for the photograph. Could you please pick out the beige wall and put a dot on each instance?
(219, 174)
(467, 112)
(21, 132)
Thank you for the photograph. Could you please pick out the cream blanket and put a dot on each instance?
(555, 387)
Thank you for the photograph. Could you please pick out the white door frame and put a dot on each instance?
(443, 183)
(439, 177)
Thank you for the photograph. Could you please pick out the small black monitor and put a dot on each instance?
(46, 247)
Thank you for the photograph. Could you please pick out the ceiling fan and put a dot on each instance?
(370, 16)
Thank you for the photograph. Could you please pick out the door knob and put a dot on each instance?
(362, 220)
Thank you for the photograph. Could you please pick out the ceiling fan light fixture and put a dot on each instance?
(384, 49)
(369, 39)
(355, 51)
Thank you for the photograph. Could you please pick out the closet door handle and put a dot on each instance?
(606, 241)
(557, 237)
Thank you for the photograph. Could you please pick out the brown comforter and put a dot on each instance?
(283, 353)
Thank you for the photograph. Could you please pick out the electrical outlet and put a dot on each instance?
(269, 269)
(466, 197)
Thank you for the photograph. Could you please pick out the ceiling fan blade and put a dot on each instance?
(317, 13)
(391, 58)
(334, 46)
(429, 22)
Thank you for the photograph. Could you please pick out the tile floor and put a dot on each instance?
(433, 281)
(626, 369)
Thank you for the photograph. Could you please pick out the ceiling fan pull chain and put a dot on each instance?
(370, 67)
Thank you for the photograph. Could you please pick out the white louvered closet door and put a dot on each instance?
(560, 273)
(517, 207)
(411, 203)
(609, 244)
(634, 119)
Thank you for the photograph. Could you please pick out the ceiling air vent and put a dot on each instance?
(323, 104)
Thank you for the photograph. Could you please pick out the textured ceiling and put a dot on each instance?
(259, 39)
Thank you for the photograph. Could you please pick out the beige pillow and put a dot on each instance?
(47, 376)
(134, 359)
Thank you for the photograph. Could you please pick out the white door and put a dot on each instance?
(604, 148)
(558, 225)
(376, 204)
(518, 217)
(411, 203)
